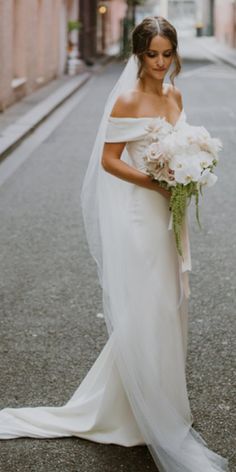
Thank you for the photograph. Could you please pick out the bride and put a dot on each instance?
(135, 393)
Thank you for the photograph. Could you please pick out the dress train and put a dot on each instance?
(99, 410)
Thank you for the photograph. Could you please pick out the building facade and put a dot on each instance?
(117, 10)
(225, 22)
(33, 44)
(183, 14)
(87, 35)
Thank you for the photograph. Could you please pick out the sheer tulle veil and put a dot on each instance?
(94, 177)
(167, 431)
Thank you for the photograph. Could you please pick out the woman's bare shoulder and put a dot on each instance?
(177, 95)
(126, 105)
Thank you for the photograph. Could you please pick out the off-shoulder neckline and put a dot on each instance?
(149, 118)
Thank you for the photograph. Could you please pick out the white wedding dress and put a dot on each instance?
(150, 288)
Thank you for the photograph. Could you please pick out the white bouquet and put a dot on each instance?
(183, 162)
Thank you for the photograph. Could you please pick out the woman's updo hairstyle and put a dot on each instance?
(146, 31)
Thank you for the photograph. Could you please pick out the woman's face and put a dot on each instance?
(158, 58)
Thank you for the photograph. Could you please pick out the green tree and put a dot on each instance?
(72, 25)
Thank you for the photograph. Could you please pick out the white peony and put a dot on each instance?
(213, 146)
(200, 136)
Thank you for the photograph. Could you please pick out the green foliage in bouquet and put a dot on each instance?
(180, 197)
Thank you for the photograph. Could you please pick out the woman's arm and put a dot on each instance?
(112, 163)
(126, 105)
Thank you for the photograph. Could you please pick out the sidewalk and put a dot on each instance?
(20, 119)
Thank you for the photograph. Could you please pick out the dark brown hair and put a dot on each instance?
(146, 31)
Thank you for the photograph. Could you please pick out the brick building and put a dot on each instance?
(34, 40)
(33, 44)
(102, 26)
(114, 23)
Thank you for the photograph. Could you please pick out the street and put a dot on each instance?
(50, 334)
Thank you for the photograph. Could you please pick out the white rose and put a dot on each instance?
(155, 153)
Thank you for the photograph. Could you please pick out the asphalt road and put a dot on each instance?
(49, 294)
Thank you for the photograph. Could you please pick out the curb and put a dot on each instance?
(14, 134)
